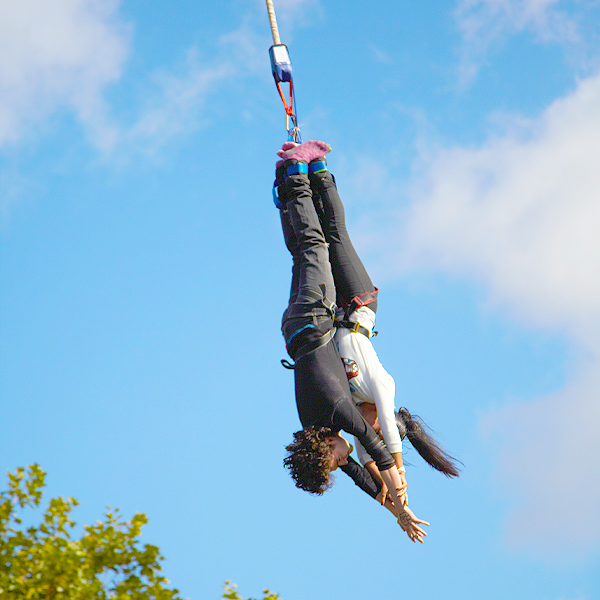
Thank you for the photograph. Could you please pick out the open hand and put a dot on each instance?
(410, 524)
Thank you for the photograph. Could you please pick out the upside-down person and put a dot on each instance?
(372, 388)
(323, 395)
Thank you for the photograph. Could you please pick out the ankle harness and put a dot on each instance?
(317, 166)
(282, 174)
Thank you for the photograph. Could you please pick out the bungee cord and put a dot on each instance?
(281, 67)
(273, 22)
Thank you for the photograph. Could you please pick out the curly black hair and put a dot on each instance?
(309, 460)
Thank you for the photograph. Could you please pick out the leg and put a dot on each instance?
(292, 245)
(351, 277)
(306, 242)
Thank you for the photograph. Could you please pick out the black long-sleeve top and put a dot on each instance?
(323, 400)
(362, 478)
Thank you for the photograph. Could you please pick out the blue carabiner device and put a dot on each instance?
(281, 66)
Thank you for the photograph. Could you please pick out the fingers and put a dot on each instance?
(416, 534)
(384, 493)
(410, 524)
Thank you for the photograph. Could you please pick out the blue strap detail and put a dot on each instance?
(297, 168)
(297, 332)
(276, 200)
(317, 167)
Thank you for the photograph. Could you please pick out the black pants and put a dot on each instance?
(320, 378)
(307, 317)
(349, 273)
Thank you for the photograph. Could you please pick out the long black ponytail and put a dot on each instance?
(430, 450)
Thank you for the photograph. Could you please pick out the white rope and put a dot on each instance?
(273, 20)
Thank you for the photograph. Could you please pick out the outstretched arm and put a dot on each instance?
(406, 518)
(374, 471)
(362, 478)
(378, 489)
(351, 421)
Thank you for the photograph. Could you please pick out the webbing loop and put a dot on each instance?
(358, 301)
(289, 108)
(291, 121)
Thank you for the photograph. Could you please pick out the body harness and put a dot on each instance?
(321, 341)
(354, 326)
(357, 302)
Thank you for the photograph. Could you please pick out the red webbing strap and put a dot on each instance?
(362, 300)
(289, 109)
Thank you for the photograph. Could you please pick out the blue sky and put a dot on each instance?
(143, 277)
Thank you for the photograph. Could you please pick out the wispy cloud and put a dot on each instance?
(55, 55)
(485, 23)
(521, 214)
(179, 99)
(67, 56)
(174, 108)
(547, 455)
(489, 18)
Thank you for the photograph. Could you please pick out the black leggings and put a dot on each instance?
(306, 318)
(349, 273)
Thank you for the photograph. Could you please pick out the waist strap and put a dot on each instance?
(309, 347)
(355, 327)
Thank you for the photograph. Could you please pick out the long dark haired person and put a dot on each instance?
(372, 388)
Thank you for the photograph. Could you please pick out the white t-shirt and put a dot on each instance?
(373, 383)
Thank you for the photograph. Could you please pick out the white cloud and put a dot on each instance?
(62, 56)
(484, 23)
(485, 17)
(547, 466)
(177, 103)
(174, 107)
(522, 215)
(55, 55)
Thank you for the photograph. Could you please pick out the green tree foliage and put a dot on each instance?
(232, 594)
(45, 561)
